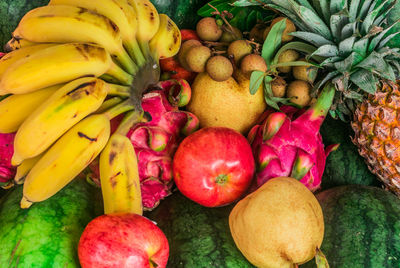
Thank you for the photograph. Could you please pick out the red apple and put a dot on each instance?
(214, 166)
(122, 241)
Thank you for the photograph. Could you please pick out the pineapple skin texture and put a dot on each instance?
(376, 125)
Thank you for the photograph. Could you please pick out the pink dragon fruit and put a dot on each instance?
(289, 144)
(7, 171)
(156, 141)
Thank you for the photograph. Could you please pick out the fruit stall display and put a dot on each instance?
(223, 133)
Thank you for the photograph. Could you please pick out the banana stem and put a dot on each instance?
(119, 74)
(121, 108)
(118, 90)
(129, 121)
(108, 104)
(125, 60)
(144, 46)
(134, 51)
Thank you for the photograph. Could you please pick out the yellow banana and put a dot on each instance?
(24, 168)
(148, 23)
(8, 59)
(69, 156)
(167, 41)
(15, 44)
(62, 24)
(119, 12)
(16, 108)
(66, 107)
(58, 64)
(119, 176)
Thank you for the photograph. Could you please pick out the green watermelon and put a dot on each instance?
(362, 227)
(47, 234)
(182, 12)
(198, 237)
(343, 166)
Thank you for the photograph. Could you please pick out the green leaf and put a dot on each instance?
(327, 51)
(337, 22)
(271, 103)
(329, 62)
(343, 109)
(273, 41)
(387, 39)
(298, 46)
(317, 6)
(365, 80)
(353, 95)
(206, 10)
(341, 82)
(294, 63)
(292, 16)
(361, 47)
(346, 46)
(325, 7)
(246, 3)
(346, 64)
(369, 19)
(385, 14)
(337, 5)
(374, 42)
(375, 63)
(311, 20)
(256, 80)
(306, 4)
(348, 30)
(313, 38)
(327, 78)
(364, 8)
(353, 11)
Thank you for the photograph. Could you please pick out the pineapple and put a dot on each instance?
(350, 41)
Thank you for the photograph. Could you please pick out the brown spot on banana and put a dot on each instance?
(91, 84)
(113, 179)
(112, 157)
(83, 135)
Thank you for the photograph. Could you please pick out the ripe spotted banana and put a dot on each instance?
(69, 156)
(15, 44)
(10, 58)
(59, 64)
(66, 107)
(119, 12)
(62, 24)
(119, 176)
(16, 108)
(167, 41)
(148, 23)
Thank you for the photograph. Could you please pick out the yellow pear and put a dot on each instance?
(280, 225)
(226, 104)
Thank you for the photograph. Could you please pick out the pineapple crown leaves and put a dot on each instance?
(351, 39)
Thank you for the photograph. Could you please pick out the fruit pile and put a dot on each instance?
(128, 142)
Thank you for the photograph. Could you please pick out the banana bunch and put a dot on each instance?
(72, 67)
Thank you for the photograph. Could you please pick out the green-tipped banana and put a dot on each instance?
(16, 108)
(58, 64)
(69, 156)
(66, 107)
(62, 24)
(167, 41)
